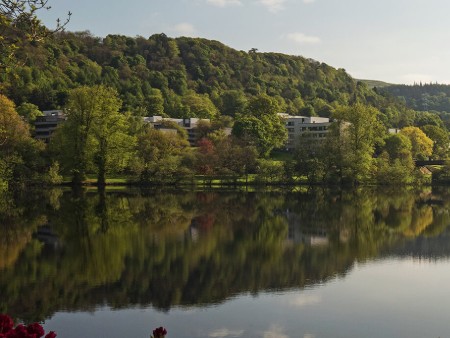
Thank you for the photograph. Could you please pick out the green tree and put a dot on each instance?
(159, 156)
(200, 105)
(19, 24)
(359, 130)
(395, 164)
(155, 103)
(232, 102)
(29, 111)
(261, 126)
(440, 138)
(95, 133)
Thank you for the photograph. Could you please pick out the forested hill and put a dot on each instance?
(423, 97)
(184, 77)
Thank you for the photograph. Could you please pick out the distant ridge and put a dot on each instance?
(376, 83)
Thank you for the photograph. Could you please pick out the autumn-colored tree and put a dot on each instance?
(422, 145)
(20, 155)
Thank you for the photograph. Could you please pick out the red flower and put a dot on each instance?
(51, 334)
(21, 331)
(36, 329)
(6, 323)
(160, 332)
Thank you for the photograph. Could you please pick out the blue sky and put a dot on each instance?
(398, 41)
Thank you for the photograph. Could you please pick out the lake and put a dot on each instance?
(274, 264)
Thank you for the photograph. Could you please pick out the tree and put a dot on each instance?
(200, 106)
(261, 126)
(30, 112)
(20, 155)
(19, 24)
(440, 138)
(395, 164)
(95, 133)
(159, 156)
(232, 102)
(422, 145)
(155, 103)
(309, 157)
(359, 130)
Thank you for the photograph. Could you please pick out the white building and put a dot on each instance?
(315, 127)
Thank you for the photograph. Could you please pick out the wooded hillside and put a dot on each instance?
(189, 77)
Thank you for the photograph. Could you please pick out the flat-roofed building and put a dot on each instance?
(44, 126)
(312, 126)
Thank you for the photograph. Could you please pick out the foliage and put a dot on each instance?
(159, 156)
(95, 134)
(359, 131)
(422, 145)
(20, 155)
(185, 77)
(261, 126)
(19, 24)
(440, 138)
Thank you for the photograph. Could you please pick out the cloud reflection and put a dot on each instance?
(304, 300)
(275, 331)
(221, 333)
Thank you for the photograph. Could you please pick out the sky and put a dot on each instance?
(396, 41)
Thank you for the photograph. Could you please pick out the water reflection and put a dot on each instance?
(64, 250)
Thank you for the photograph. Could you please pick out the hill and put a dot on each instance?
(434, 98)
(376, 83)
(186, 77)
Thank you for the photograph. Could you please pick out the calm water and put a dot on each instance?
(309, 264)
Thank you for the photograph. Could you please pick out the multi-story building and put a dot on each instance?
(45, 125)
(313, 126)
(189, 124)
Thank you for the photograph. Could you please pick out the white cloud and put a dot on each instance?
(273, 5)
(309, 1)
(184, 28)
(222, 333)
(302, 39)
(224, 3)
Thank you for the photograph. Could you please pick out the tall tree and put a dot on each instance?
(95, 133)
(359, 129)
(261, 126)
(19, 153)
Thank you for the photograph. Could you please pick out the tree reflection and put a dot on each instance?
(76, 250)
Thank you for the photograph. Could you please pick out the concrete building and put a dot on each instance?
(315, 127)
(44, 126)
(189, 124)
